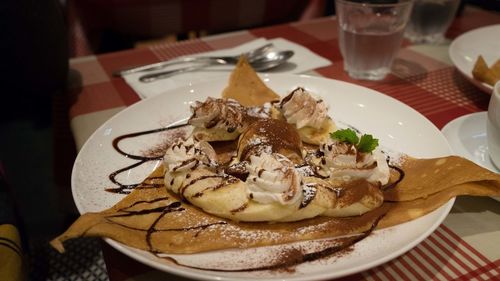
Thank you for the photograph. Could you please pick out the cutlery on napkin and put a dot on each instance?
(302, 61)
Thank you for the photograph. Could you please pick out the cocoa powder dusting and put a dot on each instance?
(168, 138)
(354, 191)
(225, 151)
(284, 258)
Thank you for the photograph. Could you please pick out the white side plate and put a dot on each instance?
(465, 49)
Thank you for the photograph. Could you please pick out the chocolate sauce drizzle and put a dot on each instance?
(175, 206)
(149, 182)
(225, 180)
(401, 175)
(172, 207)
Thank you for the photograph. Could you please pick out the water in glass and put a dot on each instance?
(370, 35)
(430, 19)
(371, 53)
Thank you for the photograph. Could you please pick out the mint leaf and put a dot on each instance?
(367, 143)
(345, 135)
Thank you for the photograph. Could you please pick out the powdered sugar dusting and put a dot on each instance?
(257, 140)
(266, 261)
(396, 158)
(308, 191)
(263, 111)
(305, 171)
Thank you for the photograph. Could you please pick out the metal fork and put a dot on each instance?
(253, 54)
(262, 62)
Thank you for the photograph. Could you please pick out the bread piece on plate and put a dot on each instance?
(483, 73)
(496, 68)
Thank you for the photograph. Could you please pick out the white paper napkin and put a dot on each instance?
(303, 60)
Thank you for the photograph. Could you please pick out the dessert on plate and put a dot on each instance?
(259, 170)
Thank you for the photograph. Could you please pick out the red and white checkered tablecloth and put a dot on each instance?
(465, 247)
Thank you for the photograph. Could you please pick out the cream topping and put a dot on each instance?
(263, 111)
(186, 155)
(303, 110)
(272, 178)
(224, 114)
(343, 161)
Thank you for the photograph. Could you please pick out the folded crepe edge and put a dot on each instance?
(96, 225)
(87, 220)
(405, 211)
(255, 91)
(445, 172)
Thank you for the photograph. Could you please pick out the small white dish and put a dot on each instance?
(465, 49)
(467, 138)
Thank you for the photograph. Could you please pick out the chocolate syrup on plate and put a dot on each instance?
(149, 182)
(287, 260)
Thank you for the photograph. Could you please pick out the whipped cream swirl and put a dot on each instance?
(190, 154)
(342, 161)
(224, 114)
(303, 110)
(272, 178)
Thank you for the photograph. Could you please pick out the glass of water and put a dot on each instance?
(370, 35)
(430, 19)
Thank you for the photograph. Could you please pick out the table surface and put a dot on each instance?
(465, 247)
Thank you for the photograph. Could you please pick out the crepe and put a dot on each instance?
(153, 219)
(171, 226)
(246, 87)
(421, 178)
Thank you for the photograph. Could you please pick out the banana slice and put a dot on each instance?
(318, 197)
(229, 197)
(319, 135)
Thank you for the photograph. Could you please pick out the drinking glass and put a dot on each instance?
(370, 35)
(430, 19)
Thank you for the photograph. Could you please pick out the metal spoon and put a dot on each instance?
(199, 59)
(271, 60)
(262, 63)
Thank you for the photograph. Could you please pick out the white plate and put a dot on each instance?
(467, 138)
(398, 127)
(465, 49)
